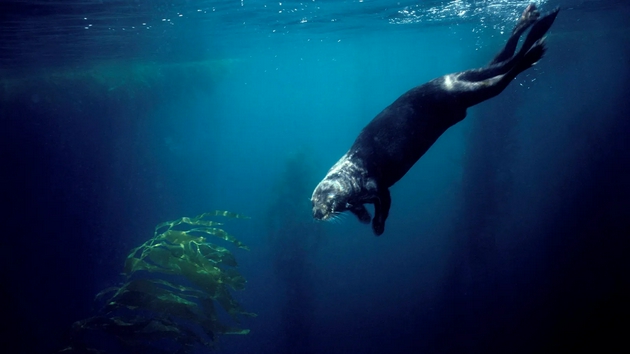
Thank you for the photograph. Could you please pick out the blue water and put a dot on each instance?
(509, 235)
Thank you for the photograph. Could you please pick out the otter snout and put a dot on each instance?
(318, 214)
(328, 199)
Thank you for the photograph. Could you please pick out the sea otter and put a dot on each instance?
(398, 136)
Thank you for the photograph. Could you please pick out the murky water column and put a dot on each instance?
(294, 238)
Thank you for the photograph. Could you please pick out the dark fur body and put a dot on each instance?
(398, 136)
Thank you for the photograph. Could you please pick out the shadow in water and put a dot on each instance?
(294, 238)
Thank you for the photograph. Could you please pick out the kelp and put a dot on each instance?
(172, 283)
(115, 80)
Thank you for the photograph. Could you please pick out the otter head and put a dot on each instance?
(330, 198)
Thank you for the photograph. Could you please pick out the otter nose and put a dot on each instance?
(318, 214)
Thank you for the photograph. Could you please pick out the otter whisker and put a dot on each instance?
(337, 218)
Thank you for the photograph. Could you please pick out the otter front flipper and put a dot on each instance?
(361, 212)
(381, 211)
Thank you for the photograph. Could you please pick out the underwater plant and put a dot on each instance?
(167, 302)
(119, 81)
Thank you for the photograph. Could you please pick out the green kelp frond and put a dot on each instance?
(172, 300)
(136, 335)
(172, 283)
(205, 227)
(185, 253)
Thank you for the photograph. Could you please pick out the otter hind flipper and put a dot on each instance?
(539, 29)
(533, 55)
(527, 19)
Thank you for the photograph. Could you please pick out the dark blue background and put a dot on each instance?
(510, 235)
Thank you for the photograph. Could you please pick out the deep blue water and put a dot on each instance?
(509, 236)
